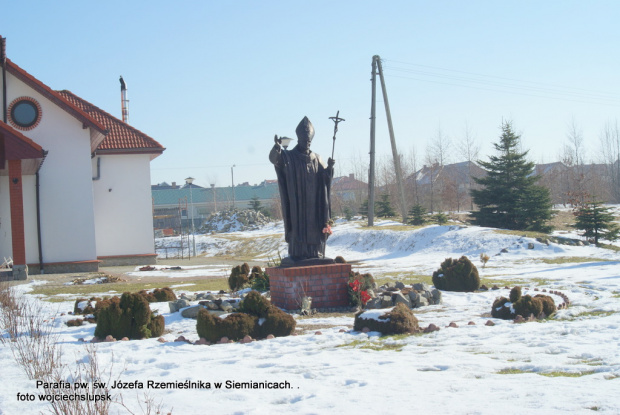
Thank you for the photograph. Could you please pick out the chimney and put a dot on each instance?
(351, 176)
(124, 101)
(174, 185)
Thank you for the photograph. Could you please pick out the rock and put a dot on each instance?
(223, 340)
(495, 287)
(471, 323)
(484, 288)
(226, 306)
(109, 338)
(504, 251)
(210, 297)
(371, 304)
(342, 331)
(420, 286)
(202, 341)
(399, 285)
(125, 339)
(413, 297)
(422, 302)
(519, 319)
(270, 336)
(188, 297)
(453, 325)
(210, 305)
(191, 312)
(436, 296)
(161, 340)
(530, 245)
(431, 328)
(181, 339)
(386, 301)
(365, 330)
(177, 305)
(399, 298)
(81, 339)
(489, 323)
(317, 333)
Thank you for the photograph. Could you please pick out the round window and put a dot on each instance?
(25, 113)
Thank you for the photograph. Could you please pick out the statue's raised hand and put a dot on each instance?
(331, 162)
(277, 140)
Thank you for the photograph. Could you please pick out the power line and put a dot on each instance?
(549, 91)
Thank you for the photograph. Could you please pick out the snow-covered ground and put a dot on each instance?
(567, 364)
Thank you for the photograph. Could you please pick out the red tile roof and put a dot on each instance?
(17, 146)
(53, 96)
(121, 138)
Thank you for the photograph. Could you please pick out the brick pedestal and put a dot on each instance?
(326, 284)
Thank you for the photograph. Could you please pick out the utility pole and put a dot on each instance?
(399, 176)
(232, 180)
(371, 170)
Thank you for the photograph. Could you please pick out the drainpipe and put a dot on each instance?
(38, 203)
(3, 62)
(98, 176)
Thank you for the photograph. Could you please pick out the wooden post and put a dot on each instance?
(371, 170)
(398, 171)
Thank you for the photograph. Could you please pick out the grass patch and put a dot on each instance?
(55, 292)
(512, 371)
(571, 259)
(596, 313)
(376, 346)
(610, 247)
(555, 374)
(404, 277)
(527, 234)
(561, 374)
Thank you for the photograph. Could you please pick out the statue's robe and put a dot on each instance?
(304, 183)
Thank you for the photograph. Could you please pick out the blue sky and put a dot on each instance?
(213, 81)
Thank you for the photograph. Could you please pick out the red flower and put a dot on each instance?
(365, 297)
(355, 285)
(327, 230)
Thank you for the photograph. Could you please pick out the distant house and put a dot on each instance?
(74, 181)
(444, 187)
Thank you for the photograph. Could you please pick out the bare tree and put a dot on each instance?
(412, 167)
(439, 147)
(610, 156)
(469, 148)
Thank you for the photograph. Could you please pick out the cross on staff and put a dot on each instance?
(336, 120)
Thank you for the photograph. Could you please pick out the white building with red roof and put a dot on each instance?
(74, 181)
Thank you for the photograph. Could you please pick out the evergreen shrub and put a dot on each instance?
(158, 295)
(523, 305)
(128, 316)
(457, 275)
(256, 317)
(239, 277)
(234, 326)
(399, 320)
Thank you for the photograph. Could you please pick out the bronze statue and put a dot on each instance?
(304, 182)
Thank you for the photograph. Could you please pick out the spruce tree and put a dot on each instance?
(255, 204)
(384, 207)
(510, 197)
(417, 215)
(596, 222)
(363, 210)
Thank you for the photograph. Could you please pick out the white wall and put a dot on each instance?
(123, 205)
(67, 212)
(5, 219)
